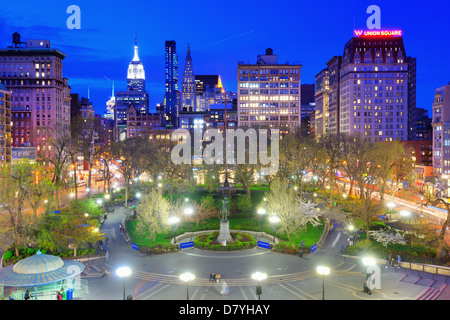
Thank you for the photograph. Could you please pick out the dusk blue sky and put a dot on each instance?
(220, 34)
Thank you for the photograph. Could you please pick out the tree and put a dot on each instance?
(296, 154)
(438, 200)
(39, 187)
(152, 214)
(68, 229)
(130, 160)
(84, 131)
(294, 212)
(207, 208)
(14, 190)
(387, 236)
(59, 158)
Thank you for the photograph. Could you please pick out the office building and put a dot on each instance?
(171, 97)
(269, 94)
(135, 94)
(188, 90)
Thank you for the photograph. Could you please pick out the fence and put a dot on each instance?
(420, 267)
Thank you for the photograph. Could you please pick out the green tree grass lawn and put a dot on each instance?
(310, 237)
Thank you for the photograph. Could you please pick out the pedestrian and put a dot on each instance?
(27, 295)
(59, 295)
(387, 261)
(390, 259)
(399, 261)
(217, 277)
(212, 277)
(225, 290)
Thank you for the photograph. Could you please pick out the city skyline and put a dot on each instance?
(100, 52)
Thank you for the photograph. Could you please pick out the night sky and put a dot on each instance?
(220, 34)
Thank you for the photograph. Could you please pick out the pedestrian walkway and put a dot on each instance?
(289, 277)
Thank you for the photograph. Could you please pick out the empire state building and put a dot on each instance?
(135, 96)
(136, 72)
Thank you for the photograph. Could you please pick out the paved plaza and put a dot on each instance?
(156, 277)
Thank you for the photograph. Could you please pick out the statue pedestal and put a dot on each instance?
(224, 234)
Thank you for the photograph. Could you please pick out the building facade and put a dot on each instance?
(5, 125)
(171, 100)
(135, 94)
(139, 125)
(269, 94)
(188, 88)
(40, 110)
(441, 130)
(374, 87)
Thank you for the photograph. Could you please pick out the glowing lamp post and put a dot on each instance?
(123, 272)
(274, 220)
(188, 212)
(259, 276)
(261, 212)
(323, 271)
(186, 277)
(173, 221)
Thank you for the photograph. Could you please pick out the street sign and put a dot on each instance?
(135, 246)
(186, 245)
(313, 248)
(264, 245)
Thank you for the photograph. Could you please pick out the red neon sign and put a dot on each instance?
(378, 33)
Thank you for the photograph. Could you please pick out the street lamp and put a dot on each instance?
(123, 272)
(391, 207)
(259, 276)
(323, 271)
(274, 220)
(188, 212)
(186, 277)
(173, 222)
(261, 212)
(368, 261)
(406, 214)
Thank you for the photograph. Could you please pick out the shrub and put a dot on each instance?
(8, 255)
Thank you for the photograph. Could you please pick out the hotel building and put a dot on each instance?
(269, 94)
(374, 82)
(370, 90)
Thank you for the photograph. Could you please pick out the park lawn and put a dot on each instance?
(146, 239)
(250, 224)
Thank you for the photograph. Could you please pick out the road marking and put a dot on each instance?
(336, 240)
(312, 297)
(291, 291)
(195, 293)
(243, 293)
(155, 292)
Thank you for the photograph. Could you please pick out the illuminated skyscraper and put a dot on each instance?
(171, 108)
(136, 72)
(135, 95)
(188, 92)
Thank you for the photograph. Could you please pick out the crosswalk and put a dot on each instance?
(166, 286)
